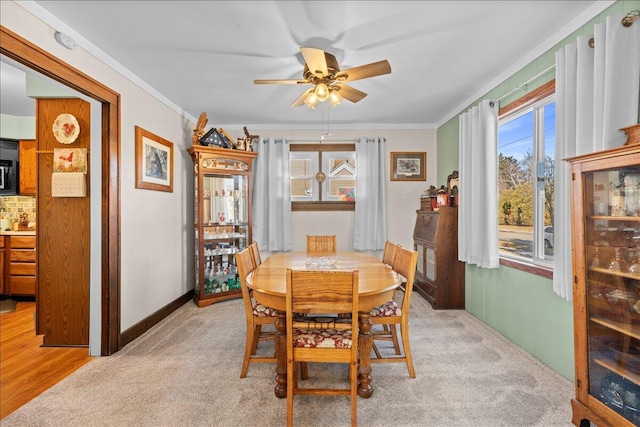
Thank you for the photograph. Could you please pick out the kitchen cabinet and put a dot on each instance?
(222, 223)
(28, 167)
(439, 275)
(22, 265)
(605, 191)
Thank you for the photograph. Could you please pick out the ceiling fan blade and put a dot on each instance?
(300, 101)
(315, 60)
(351, 94)
(364, 71)
(281, 82)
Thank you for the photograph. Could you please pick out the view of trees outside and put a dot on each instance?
(518, 157)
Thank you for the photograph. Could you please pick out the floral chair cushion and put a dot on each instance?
(324, 338)
(260, 310)
(390, 308)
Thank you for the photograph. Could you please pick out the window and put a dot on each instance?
(526, 148)
(323, 176)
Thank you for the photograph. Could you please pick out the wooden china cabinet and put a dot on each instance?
(439, 275)
(222, 210)
(606, 291)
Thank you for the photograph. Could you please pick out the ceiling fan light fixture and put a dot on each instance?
(334, 98)
(311, 100)
(322, 91)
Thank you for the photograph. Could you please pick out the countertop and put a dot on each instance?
(18, 233)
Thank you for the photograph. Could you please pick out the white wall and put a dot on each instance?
(402, 196)
(156, 261)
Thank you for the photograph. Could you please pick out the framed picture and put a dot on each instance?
(154, 162)
(408, 166)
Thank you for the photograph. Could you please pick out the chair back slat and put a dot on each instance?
(321, 243)
(244, 261)
(390, 252)
(255, 253)
(405, 265)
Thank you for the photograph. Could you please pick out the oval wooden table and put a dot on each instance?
(377, 283)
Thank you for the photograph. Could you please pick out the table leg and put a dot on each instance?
(281, 354)
(365, 341)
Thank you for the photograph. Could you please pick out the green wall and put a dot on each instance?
(519, 305)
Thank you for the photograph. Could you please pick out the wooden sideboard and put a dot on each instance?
(439, 274)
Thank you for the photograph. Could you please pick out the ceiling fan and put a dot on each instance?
(321, 69)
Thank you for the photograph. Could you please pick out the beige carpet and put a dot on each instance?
(186, 372)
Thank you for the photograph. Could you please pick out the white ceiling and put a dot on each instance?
(204, 55)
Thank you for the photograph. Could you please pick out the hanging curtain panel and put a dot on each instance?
(272, 196)
(478, 192)
(370, 228)
(597, 92)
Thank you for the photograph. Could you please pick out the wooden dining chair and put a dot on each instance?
(321, 243)
(257, 315)
(322, 340)
(255, 253)
(393, 314)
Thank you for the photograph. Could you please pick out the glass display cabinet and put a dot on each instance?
(606, 266)
(222, 219)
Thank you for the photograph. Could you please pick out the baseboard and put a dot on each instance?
(147, 323)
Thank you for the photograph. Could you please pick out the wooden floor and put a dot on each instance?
(26, 368)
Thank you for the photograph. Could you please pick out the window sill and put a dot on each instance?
(323, 206)
(527, 267)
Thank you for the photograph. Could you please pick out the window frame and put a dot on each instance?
(322, 205)
(514, 108)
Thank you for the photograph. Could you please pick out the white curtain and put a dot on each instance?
(597, 91)
(370, 227)
(478, 192)
(272, 196)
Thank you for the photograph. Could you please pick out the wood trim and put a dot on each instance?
(32, 56)
(322, 147)
(150, 321)
(535, 95)
(323, 206)
(527, 267)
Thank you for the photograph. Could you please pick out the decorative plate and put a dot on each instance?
(66, 128)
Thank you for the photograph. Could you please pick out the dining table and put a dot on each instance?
(377, 284)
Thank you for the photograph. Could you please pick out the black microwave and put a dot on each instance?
(9, 167)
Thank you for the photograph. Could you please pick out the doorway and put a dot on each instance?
(29, 55)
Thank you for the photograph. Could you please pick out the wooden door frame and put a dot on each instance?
(20, 50)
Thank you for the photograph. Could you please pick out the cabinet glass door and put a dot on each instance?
(612, 245)
(225, 230)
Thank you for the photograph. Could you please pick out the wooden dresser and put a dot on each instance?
(439, 274)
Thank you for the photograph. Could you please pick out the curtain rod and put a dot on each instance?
(523, 85)
(265, 140)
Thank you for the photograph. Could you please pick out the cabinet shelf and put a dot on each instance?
(612, 366)
(615, 273)
(615, 218)
(624, 328)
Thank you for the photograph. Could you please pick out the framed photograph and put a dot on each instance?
(154, 162)
(408, 166)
